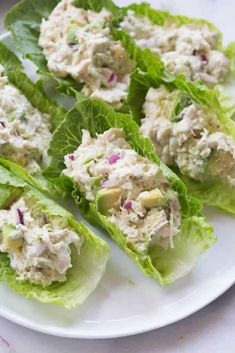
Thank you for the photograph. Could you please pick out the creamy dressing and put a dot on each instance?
(140, 200)
(188, 49)
(24, 131)
(191, 141)
(37, 245)
(79, 43)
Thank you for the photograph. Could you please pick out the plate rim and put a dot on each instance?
(148, 328)
(59, 332)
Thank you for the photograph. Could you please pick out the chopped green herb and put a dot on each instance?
(182, 101)
(12, 116)
(72, 38)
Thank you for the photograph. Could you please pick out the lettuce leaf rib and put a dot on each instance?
(37, 97)
(160, 17)
(33, 92)
(87, 268)
(196, 235)
(212, 192)
(24, 20)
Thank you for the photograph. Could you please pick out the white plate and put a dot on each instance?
(126, 302)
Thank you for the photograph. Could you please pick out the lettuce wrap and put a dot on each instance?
(33, 92)
(24, 21)
(211, 191)
(161, 18)
(87, 268)
(164, 265)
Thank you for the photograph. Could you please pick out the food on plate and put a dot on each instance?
(189, 135)
(24, 131)
(120, 184)
(79, 43)
(189, 49)
(27, 116)
(44, 253)
(120, 38)
(130, 190)
(37, 246)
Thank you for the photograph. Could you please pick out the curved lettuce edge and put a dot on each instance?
(37, 181)
(160, 17)
(227, 102)
(144, 58)
(213, 193)
(36, 96)
(24, 19)
(164, 265)
(87, 269)
(97, 6)
(230, 53)
(33, 92)
(142, 81)
(196, 235)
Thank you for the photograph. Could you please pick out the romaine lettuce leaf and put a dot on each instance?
(214, 193)
(33, 92)
(195, 236)
(24, 20)
(87, 267)
(36, 96)
(230, 53)
(97, 6)
(160, 17)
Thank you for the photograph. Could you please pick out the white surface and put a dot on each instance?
(120, 308)
(211, 329)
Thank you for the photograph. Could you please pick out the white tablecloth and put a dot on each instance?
(212, 329)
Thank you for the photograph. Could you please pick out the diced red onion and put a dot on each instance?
(20, 216)
(71, 157)
(104, 182)
(113, 158)
(109, 183)
(128, 205)
(112, 78)
(4, 345)
(203, 57)
(2, 123)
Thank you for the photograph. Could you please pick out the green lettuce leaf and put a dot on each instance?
(144, 59)
(196, 235)
(38, 182)
(87, 267)
(24, 20)
(37, 97)
(214, 193)
(97, 6)
(230, 53)
(141, 82)
(33, 92)
(160, 18)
